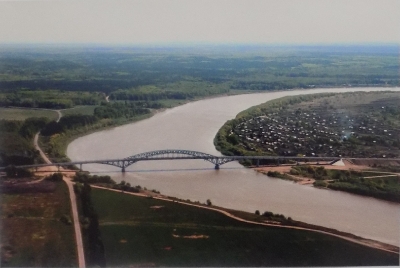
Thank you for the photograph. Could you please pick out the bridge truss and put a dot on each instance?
(168, 155)
(217, 161)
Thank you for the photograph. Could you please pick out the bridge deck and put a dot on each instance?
(187, 155)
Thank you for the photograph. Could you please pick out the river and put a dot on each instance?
(193, 126)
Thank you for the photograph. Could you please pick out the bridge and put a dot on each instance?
(172, 154)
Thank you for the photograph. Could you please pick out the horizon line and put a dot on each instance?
(198, 44)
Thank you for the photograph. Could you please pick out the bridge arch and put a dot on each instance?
(172, 154)
(169, 154)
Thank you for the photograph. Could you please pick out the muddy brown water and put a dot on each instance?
(193, 127)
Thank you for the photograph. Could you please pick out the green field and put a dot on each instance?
(22, 114)
(85, 110)
(147, 232)
(32, 233)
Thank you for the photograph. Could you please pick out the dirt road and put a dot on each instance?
(72, 197)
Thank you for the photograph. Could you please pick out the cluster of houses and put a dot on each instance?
(318, 133)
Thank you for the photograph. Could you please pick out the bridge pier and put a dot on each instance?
(80, 167)
(123, 170)
(216, 166)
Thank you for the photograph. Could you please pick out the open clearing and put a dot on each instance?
(134, 233)
(84, 110)
(32, 233)
(22, 113)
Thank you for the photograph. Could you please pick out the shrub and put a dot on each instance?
(66, 219)
(55, 177)
(320, 184)
(268, 214)
(14, 172)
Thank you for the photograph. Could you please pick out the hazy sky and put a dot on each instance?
(194, 21)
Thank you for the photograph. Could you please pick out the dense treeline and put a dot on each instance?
(31, 126)
(118, 110)
(105, 111)
(181, 91)
(67, 123)
(48, 99)
(120, 70)
(386, 188)
(94, 248)
(84, 177)
(13, 172)
(16, 147)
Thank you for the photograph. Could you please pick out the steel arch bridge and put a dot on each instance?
(168, 155)
(217, 161)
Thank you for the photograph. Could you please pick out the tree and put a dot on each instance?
(14, 172)
(55, 177)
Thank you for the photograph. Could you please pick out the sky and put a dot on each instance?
(200, 21)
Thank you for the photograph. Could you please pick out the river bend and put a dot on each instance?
(193, 126)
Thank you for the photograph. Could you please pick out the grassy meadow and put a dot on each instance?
(139, 231)
(32, 233)
(82, 109)
(21, 114)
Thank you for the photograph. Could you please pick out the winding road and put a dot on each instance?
(72, 197)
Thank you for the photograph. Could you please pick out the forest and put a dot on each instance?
(190, 71)
(119, 84)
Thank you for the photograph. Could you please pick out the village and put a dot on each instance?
(320, 132)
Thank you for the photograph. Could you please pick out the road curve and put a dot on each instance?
(74, 208)
(59, 115)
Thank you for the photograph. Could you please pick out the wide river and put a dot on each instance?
(193, 126)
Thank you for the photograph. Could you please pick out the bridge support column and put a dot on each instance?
(123, 169)
(80, 167)
(216, 166)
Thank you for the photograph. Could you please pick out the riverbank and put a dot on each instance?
(351, 124)
(232, 186)
(62, 141)
(346, 176)
(70, 136)
(255, 219)
(83, 131)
